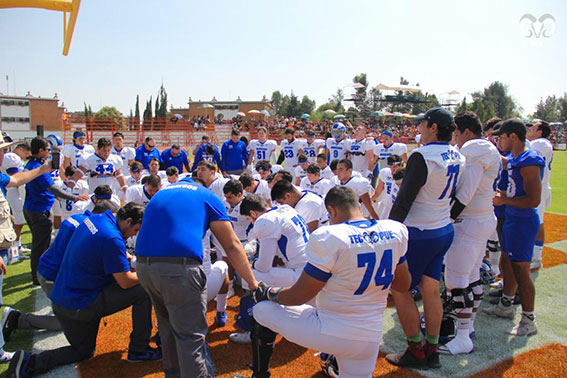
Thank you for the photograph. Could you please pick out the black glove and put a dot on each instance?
(265, 293)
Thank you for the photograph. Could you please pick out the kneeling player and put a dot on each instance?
(351, 266)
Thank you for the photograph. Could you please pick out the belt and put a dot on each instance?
(171, 260)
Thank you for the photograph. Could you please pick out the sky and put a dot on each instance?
(251, 48)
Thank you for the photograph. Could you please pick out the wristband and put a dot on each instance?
(71, 181)
(124, 186)
(120, 175)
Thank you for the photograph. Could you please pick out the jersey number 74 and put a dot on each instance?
(383, 275)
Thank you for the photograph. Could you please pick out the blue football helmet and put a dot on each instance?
(55, 140)
(338, 130)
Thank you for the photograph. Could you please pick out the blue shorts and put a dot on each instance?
(519, 236)
(426, 251)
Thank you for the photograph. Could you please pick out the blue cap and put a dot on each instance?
(387, 133)
(78, 134)
(441, 116)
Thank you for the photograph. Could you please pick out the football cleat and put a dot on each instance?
(329, 365)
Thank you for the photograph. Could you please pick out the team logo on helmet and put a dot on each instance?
(338, 130)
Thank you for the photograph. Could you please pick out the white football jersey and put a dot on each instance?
(445, 166)
(386, 201)
(137, 194)
(262, 151)
(131, 181)
(76, 154)
(11, 164)
(207, 252)
(262, 190)
(310, 150)
(321, 187)
(217, 187)
(327, 173)
(239, 222)
(383, 152)
(300, 172)
(66, 208)
(311, 207)
(291, 153)
(360, 185)
(126, 154)
(358, 151)
(104, 170)
(161, 174)
(385, 175)
(338, 150)
(478, 184)
(285, 225)
(357, 260)
(545, 149)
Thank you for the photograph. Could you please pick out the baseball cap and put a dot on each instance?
(440, 116)
(511, 126)
(78, 134)
(302, 160)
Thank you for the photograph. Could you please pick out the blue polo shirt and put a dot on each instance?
(144, 156)
(175, 161)
(50, 261)
(202, 155)
(234, 156)
(176, 220)
(38, 198)
(94, 253)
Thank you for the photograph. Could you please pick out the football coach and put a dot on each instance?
(169, 251)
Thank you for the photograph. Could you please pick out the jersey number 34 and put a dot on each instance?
(383, 275)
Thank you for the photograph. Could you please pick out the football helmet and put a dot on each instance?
(338, 130)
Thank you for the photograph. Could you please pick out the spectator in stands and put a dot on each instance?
(147, 151)
(175, 157)
(234, 155)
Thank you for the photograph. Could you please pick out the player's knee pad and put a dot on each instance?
(476, 289)
(265, 336)
(462, 298)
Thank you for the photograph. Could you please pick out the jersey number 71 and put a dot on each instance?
(384, 274)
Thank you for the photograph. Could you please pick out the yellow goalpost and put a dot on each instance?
(65, 6)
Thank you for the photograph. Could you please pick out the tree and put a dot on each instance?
(549, 110)
(108, 112)
(497, 95)
(352, 113)
(307, 105)
(156, 111)
(137, 108)
(277, 102)
(148, 112)
(293, 108)
(337, 100)
(162, 111)
(373, 101)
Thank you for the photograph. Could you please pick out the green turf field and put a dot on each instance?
(559, 182)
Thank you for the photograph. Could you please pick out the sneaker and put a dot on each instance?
(526, 327)
(457, 346)
(240, 338)
(9, 322)
(151, 354)
(329, 365)
(24, 249)
(220, 318)
(536, 264)
(416, 294)
(407, 359)
(501, 311)
(19, 365)
(6, 357)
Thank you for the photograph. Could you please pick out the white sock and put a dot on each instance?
(495, 260)
(538, 250)
(221, 302)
